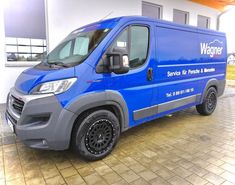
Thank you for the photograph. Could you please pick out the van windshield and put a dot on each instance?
(74, 50)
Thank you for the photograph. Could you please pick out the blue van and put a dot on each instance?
(109, 76)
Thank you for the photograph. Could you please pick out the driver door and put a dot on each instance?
(135, 86)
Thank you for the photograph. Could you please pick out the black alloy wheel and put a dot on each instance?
(209, 102)
(100, 136)
(96, 134)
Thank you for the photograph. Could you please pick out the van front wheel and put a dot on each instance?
(95, 136)
(209, 102)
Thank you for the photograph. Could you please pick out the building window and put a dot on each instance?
(203, 21)
(151, 10)
(25, 49)
(180, 17)
(25, 30)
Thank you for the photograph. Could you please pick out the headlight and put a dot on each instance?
(55, 87)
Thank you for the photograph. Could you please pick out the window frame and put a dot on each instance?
(128, 39)
(182, 11)
(153, 4)
(208, 23)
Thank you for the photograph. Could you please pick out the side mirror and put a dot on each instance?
(119, 61)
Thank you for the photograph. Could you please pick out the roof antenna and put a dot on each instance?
(106, 16)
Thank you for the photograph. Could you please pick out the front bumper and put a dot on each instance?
(39, 120)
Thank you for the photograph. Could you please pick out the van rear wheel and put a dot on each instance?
(96, 134)
(209, 102)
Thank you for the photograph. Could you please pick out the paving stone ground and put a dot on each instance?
(182, 149)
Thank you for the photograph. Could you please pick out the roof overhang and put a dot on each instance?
(215, 4)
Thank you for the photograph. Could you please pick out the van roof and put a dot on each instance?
(110, 23)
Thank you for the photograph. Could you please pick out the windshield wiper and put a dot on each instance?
(58, 64)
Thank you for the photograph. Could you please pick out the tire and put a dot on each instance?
(96, 134)
(209, 102)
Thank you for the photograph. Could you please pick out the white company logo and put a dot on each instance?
(212, 49)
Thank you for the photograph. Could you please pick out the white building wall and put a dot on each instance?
(77, 13)
(8, 75)
(193, 9)
(227, 24)
(63, 16)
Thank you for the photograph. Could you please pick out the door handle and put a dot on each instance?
(150, 74)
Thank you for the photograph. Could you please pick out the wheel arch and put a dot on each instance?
(219, 85)
(109, 100)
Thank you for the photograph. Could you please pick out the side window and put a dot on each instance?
(121, 42)
(65, 51)
(138, 46)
